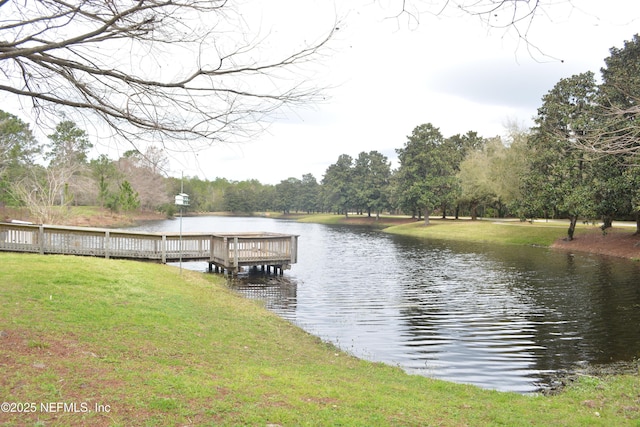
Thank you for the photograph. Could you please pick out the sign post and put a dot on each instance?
(182, 200)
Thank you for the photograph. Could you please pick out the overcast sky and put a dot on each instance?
(391, 75)
(388, 75)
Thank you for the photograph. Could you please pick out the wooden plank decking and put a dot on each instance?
(224, 251)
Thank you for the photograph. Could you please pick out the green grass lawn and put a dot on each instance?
(539, 233)
(148, 346)
(509, 232)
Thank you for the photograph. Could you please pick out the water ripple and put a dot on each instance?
(504, 318)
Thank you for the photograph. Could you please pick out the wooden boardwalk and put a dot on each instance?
(225, 252)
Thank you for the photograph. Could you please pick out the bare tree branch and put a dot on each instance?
(187, 70)
(515, 16)
(43, 193)
(618, 133)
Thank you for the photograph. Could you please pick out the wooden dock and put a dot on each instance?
(225, 252)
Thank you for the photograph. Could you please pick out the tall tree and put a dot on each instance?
(127, 198)
(561, 174)
(18, 152)
(619, 104)
(476, 180)
(45, 193)
(509, 167)
(69, 145)
(338, 183)
(427, 174)
(181, 70)
(145, 178)
(68, 149)
(620, 99)
(287, 194)
(105, 174)
(242, 196)
(309, 193)
(455, 148)
(372, 172)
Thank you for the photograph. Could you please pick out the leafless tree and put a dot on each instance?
(45, 193)
(153, 159)
(518, 14)
(188, 71)
(515, 16)
(145, 179)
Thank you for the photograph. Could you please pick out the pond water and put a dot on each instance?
(500, 317)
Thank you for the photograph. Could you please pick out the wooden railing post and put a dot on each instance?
(226, 251)
(41, 238)
(164, 249)
(106, 244)
(294, 249)
(235, 255)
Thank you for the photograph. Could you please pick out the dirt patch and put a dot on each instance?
(36, 361)
(108, 219)
(616, 242)
(102, 218)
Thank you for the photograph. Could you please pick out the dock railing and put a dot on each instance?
(229, 251)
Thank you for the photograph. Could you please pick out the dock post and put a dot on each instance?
(235, 255)
(41, 238)
(106, 244)
(226, 252)
(164, 248)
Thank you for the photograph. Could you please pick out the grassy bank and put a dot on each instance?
(505, 232)
(509, 232)
(620, 241)
(146, 345)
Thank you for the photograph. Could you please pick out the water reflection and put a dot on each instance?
(279, 294)
(502, 317)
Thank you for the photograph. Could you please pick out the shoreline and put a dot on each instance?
(215, 357)
(619, 241)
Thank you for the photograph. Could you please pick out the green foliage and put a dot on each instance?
(244, 197)
(104, 172)
(126, 199)
(69, 144)
(621, 76)
(288, 195)
(560, 175)
(340, 193)
(169, 209)
(18, 151)
(476, 180)
(309, 195)
(372, 174)
(427, 173)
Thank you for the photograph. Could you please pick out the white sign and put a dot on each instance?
(182, 199)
